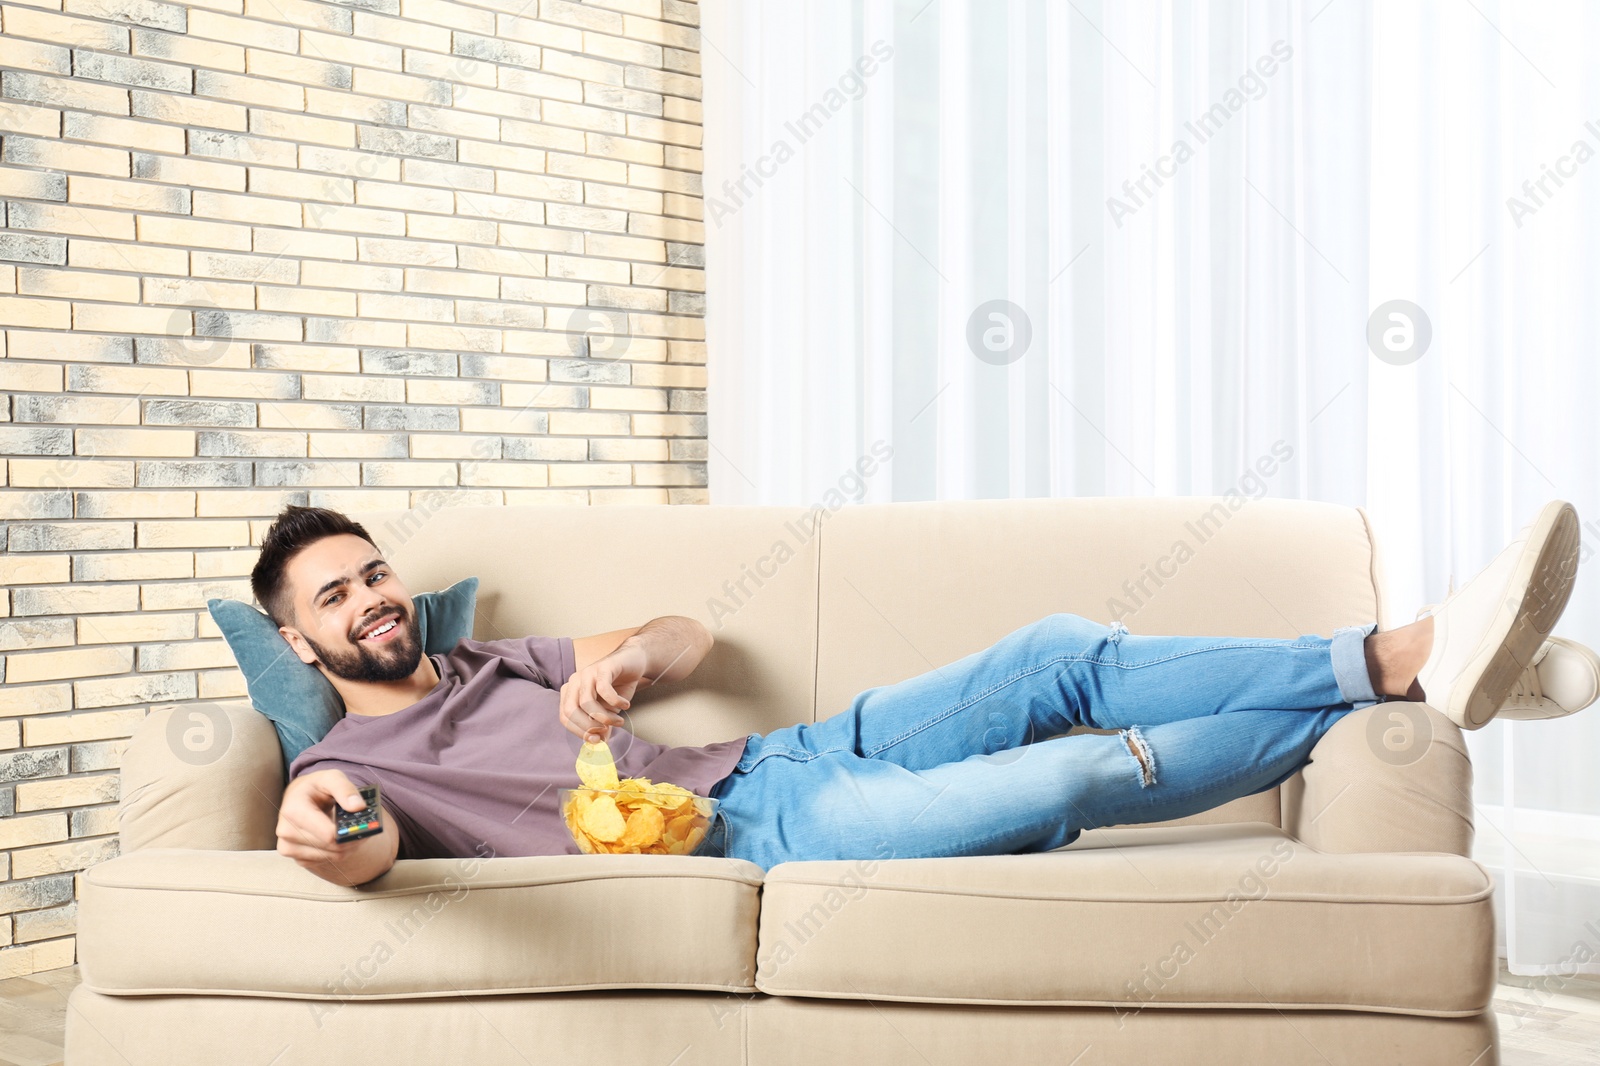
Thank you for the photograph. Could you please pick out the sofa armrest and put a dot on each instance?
(207, 776)
(1394, 777)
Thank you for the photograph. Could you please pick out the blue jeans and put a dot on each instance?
(968, 759)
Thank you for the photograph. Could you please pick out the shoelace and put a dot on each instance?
(1527, 690)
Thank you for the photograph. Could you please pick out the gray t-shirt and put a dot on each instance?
(472, 768)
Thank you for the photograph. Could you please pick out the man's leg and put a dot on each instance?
(794, 806)
(1065, 670)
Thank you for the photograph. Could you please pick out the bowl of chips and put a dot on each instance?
(637, 817)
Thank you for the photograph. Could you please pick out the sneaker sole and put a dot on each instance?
(1544, 577)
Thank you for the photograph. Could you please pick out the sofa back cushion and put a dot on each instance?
(577, 571)
(907, 587)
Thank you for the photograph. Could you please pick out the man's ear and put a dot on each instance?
(298, 643)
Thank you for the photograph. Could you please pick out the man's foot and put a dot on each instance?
(1563, 679)
(1486, 634)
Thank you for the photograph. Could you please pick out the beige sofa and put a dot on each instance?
(1337, 919)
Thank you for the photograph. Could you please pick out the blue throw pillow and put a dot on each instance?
(302, 704)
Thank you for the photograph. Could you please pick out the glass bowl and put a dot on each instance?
(635, 821)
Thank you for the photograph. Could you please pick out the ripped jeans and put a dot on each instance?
(967, 759)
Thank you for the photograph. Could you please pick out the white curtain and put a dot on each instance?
(1053, 248)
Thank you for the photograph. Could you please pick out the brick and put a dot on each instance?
(60, 665)
(189, 111)
(311, 473)
(133, 566)
(203, 173)
(29, 441)
(198, 293)
(335, 133)
(76, 410)
(401, 87)
(120, 318)
(207, 655)
(32, 248)
(192, 351)
(449, 175)
(17, 634)
(301, 69)
(95, 255)
(409, 364)
(158, 229)
(32, 184)
(31, 121)
(408, 473)
(460, 393)
(127, 195)
(360, 165)
(295, 243)
(135, 442)
(249, 268)
(223, 144)
(58, 155)
(223, 27)
(138, 12)
(191, 473)
(502, 367)
(343, 46)
(40, 699)
(314, 416)
(501, 420)
(243, 324)
(70, 284)
(65, 218)
(198, 413)
(34, 505)
(190, 595)
(237, 443)
(70, 472)
(74, 599)
(454, 446)
(64, 92)
(31, 55)
(406, 142)
(359, 389)
(189, 51)
(122, 629)
(126, 70)
(305, 301)
(355, 106)
(134, 504)
(408, 418)
(239, 503)
(192, 533)
(244, 89)
(310, 357)
(358, 446)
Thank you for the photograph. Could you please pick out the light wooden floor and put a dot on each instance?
(1543, 1022)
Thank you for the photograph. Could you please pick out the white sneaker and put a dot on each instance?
(1563, 678)
(1487, 634)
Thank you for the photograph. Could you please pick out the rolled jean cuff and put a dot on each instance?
(1350, 665)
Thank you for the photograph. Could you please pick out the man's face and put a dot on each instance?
(352, 614)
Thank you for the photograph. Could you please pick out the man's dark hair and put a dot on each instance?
(296, 529)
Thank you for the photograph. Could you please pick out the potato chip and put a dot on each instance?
(596, 767)
(603, 820)
(644, 826)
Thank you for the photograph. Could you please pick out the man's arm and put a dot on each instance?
(307, 833)
(670, 646)
(663, 649)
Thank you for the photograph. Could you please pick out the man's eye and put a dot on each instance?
(378, 575)
(331, 600)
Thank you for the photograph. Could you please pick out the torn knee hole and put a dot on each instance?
(1140, 750)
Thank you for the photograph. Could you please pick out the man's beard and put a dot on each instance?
(394, 660)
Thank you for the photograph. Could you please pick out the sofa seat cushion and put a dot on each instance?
(169, 920)
(1236, 915)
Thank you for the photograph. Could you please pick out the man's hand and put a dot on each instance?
(592, 697)
(307, 832)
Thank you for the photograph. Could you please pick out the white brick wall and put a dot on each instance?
(373, 253)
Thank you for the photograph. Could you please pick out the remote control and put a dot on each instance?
(356, 825)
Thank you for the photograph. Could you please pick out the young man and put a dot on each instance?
(469, 748)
